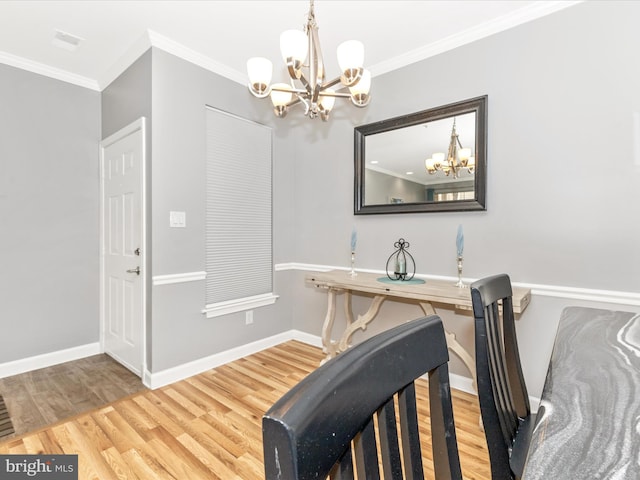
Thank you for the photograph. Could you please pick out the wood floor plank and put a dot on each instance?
(209, 426)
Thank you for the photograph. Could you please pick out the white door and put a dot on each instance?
(123, 266)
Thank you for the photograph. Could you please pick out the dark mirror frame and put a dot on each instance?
(477, 105)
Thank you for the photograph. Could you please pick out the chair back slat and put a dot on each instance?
(341, 419)
(366, 454)
(499, 375)
(343, 470)
(409, 432)
(504, 402)
(389, 447)
(446, 464)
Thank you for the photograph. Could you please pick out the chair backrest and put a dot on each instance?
(502, 392)
(326, 425)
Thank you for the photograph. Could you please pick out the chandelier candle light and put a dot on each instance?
(312, 91)
(458, 158)
(460, 249)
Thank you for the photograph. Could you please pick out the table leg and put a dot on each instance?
(454, 345)
(329, 346)
(348, 311)
(361, 323)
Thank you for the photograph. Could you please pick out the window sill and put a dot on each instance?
(239, 305)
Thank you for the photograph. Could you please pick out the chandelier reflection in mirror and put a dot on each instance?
(307, 83)
(457, 158)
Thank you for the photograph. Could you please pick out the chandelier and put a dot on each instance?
(307, 83)
(458, 158)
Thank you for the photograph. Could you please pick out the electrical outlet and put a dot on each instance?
(248, 317)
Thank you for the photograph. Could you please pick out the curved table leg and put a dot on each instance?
(361, 323)
(329, 346)
(454, 346)
(348, 311)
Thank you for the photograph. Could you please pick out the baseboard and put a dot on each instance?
(461, 383)
(23, 365)
(175, 374)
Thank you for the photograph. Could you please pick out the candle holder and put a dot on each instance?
(353, 272)
(459, 283)
(403, 266)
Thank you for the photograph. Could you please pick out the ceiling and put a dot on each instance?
(222, 35)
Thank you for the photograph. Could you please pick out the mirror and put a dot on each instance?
(391, 174)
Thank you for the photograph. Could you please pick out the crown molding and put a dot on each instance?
(133, 53)
(518, 17)
(153, 39)
(48, 71)
(179, 50)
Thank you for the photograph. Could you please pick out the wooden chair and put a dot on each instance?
(326, 425)
(504, 402)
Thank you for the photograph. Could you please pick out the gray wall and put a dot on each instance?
(563, 197)
(125, 100)
(49, 134)
(180, 332)
(562, 191)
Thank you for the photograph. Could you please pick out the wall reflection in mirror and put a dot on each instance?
(434, 160)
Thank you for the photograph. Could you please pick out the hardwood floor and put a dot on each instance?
(48, 395)
(209, 426)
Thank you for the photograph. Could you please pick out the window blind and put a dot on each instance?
(238, 211)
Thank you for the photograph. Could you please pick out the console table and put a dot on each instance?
(588, 423)
(425, 295)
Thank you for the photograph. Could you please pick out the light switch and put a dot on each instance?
(177, 219)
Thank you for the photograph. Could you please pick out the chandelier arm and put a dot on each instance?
(331, 83)
(292, 90)
(294, 102)
(324, 93)
(293, 73)
(305, 83)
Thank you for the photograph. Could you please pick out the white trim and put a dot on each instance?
(48, 71)
(178, 278)
(179, 50)
(15, 367)
(186, 370)
(239, 305)
(175, 374)
(589, 294)
(308, 338)
(461, 383)
(513, 19)
(153, 39)
(573, 293)
(133, 53)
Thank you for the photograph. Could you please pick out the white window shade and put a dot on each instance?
(238, 215)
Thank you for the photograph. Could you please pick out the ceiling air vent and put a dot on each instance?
(66, 40)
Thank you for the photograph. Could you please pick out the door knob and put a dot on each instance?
(134, 270)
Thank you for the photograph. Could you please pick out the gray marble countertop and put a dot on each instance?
(588, 423)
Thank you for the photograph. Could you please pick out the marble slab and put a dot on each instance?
(588, 423)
